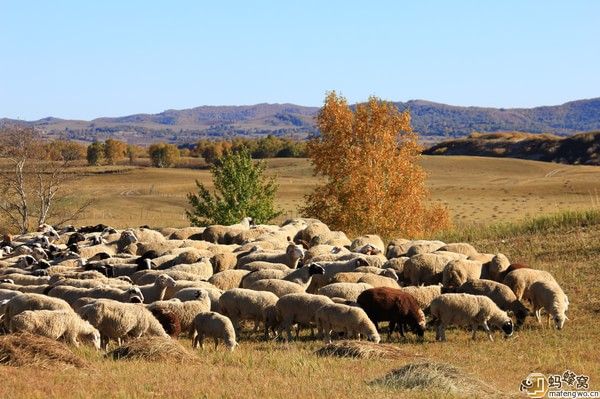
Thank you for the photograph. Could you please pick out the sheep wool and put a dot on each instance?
(469, 310)
(213, 325)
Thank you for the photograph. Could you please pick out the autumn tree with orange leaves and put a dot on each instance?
(374, 182)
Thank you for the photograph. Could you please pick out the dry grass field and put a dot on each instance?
(259, 369)
(477, 190)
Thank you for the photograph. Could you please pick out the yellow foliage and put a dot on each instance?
(375, 184)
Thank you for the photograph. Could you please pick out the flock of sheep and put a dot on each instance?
(95, 284)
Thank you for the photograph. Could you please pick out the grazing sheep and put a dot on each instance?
(185, 311)
(461, 248)
(264, 274)
(26, 279)
(457, 272)
(393, 305)
(71, 294)
(277, 287)
(369, 239)
(117, 321)
(469, 310)
(426, 268)
(348, 291)
(244, 304)
(549, 296)
(290, 257)
(223, 261)
(379, 281)
(156, 292)
(423, 247)
(350, 320)
(56, 324)
(331, 269)
(228, 279)
(397, 248)
(213, 325)
(521, 279)
(260, 265)
(23, 302)
(298, 309)
(501, 294)
(512, 267)
(498, 265)
(424, 294)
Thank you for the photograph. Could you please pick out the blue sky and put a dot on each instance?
(84, 59)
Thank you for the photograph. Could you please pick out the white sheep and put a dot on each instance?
(118, 321)
(469, 310)
(23, 302)
(376, 280)
(290, 257)
(549, 296)
(244, 304)
(501, 294)
(348, 291)
(264, 274)
(156, 292)
(185, 311)
(457, 272)
(71, 294)
(351, 320)
(426, 268)
(424, 294)
(228, 279)
(299, 309)
(521, 279)
(56, 324)
(213, 325)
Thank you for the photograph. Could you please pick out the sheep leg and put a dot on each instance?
(474, 328)
(391, 328)
(440, 334)
(201, 340)
(256, 326)
(216, 342)
(538, 315)
(487, 330)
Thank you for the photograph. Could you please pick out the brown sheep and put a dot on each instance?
(395, 306)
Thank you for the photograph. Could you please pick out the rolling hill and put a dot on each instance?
(433, 121)
(582, 148)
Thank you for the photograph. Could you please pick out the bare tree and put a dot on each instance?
(32, 181)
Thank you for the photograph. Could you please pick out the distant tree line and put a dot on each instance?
(164, 155)
(265, 147)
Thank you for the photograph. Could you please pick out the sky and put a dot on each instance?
(84, 59)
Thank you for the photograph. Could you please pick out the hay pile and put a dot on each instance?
(33, 350)
(364, 350)
(439, 377)
(153, 349)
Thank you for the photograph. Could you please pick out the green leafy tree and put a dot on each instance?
(95, 153)
(241, 190)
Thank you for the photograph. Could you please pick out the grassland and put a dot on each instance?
(477, 190)
(260, 369)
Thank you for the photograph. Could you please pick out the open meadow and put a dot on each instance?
(278, 370)
(477, 190)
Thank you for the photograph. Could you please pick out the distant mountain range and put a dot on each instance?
(434, 121)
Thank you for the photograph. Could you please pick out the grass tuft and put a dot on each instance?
(155, 349)
(364, 350)
(25, 349)
(441, 377)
